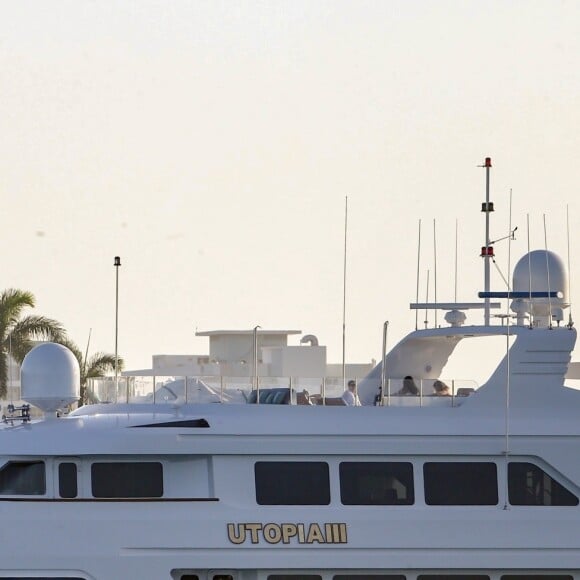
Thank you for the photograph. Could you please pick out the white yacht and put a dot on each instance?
(480, 484)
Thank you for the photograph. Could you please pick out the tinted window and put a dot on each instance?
(369, 577)
(452, 577)
(127, 479)
(23, 478)
(460, 483)
(292, 483)
(376, 483)
(530, 485)
(67, 480)
(294, 577)
(536, 577)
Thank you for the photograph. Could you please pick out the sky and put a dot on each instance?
(213, 147)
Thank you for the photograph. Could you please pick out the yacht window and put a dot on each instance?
(292, 483)
(127, 479)
(452, 577)
(376, 483)
(23, 478)
(536, 577)
(294, 577)
(460, 483)
(530, 485)
(369, 577)
(67, 480)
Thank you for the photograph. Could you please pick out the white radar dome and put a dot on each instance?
(50, 377)
(541, 271)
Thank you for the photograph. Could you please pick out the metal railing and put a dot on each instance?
(268, 390)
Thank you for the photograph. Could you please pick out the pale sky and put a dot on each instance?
(211, 145)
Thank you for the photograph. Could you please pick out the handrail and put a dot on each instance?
(241, 390)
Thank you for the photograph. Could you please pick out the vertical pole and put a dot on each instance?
(117, 265)
(487, 256)
(383, 360)
(256, 383)
(344, 298)
(418, 265)
(435, 270)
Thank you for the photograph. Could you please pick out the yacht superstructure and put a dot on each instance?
(481, 484)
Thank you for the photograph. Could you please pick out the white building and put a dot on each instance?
(232, 353)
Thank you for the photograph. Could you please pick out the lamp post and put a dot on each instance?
(117, 265)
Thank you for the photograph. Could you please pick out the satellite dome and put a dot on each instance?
(50, 377)
(541, 271)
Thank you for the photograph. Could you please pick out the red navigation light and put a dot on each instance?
(488, 162)
(487, 251)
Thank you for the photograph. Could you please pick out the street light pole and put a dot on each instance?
(117, 265)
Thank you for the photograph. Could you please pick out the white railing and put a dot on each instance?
(270, 390)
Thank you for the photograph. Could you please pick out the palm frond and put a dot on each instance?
(33, 328)
(100, 364)
(12, 303)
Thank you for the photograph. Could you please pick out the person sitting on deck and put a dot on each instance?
(441, 389)
(409, 388)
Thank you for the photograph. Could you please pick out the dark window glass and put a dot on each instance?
(294, 577)
(460, 483)
(189, 577)
(376, 483)
(536, 577)
(292, 483)
(127, 479)
(452, 577)
(369, 577)
(67, 480)
(23, 478)
(530, 485)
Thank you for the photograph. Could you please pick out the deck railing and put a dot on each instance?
(269, 390)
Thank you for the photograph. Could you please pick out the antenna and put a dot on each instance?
(256, 382)
(435, 269)
(344, 297)
(117, 265)
(418, 262)
(381, 395)
(10, 366)
(487, 250)
(548, 273)
(530, 272)
(82, 402)
(570, 322)
(508, 370)
(427, 301)
(455, 296)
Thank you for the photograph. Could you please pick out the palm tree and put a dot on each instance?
(17, 333)
(95, 367)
